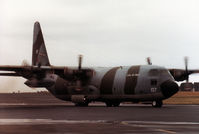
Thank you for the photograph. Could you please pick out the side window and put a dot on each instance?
(153, 82)
(163, 72)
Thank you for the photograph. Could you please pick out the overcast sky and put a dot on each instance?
(106, 32)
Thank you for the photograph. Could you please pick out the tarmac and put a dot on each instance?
(40, 114)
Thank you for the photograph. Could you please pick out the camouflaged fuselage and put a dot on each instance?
(124, 83)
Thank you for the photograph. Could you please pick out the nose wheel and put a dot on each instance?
(157, 103)
(85, 104)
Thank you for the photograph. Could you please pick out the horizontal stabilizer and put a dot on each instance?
(9, 74)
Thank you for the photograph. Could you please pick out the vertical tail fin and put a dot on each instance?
(39, 53)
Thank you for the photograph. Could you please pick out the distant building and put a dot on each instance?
(196, 86)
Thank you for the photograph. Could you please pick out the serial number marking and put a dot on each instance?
(132, 75)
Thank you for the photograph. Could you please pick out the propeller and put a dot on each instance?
(81, 75)
(183, 74)
(25, 63)
(148, 59)
(78, 85)
(186, 69)
(79, 82)
(80, 62)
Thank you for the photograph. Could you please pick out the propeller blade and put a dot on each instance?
(80, 62)
(186, 68)
(78, 85)
(25, 63)
(149, 61)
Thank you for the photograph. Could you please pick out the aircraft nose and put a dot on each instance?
(169, 88)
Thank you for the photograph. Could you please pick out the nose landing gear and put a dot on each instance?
(157, 103)
(114, 104)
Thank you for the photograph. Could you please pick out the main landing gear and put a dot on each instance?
(157, 103)
(114, 104)
(83, 104)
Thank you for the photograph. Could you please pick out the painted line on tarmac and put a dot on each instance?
(147, 124)
(91, 104)
(52, 121)
(161, 122)
(144, 125)
(35, 104)
(45, 121)
(166, 131)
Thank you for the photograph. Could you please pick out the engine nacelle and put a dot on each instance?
(68, 73)
(178, 74)
(39, 83)
(48, 81)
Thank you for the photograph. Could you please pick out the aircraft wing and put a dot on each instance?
(11, 68)
(29, 71)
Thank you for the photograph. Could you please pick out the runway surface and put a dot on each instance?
(62, 117)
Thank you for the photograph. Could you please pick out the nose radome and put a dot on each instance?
(169, 88)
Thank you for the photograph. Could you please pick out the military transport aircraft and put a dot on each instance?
(112, 85)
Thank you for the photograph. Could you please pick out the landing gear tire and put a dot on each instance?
(157, 103)
(108, 104)
(85, 104)
(116, 104)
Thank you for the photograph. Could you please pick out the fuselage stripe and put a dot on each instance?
(107, 81)
(131, 80)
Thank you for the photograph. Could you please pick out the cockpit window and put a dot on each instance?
(156, 72)
(153, 72)
(163, 71)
